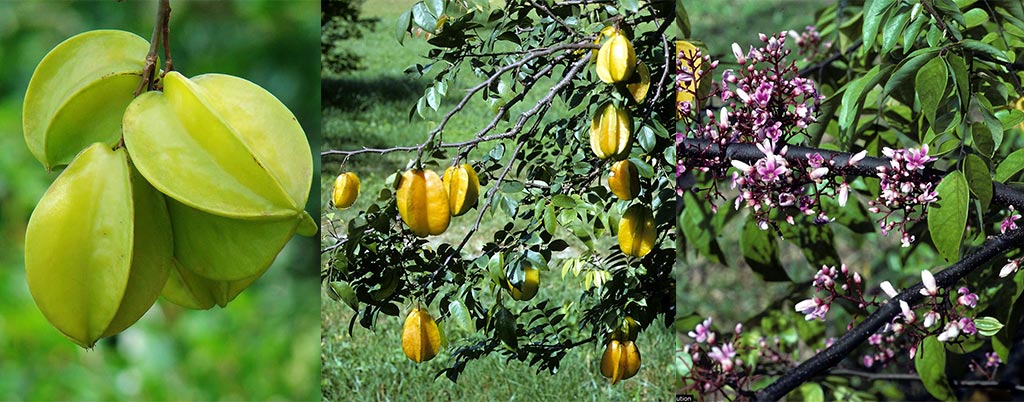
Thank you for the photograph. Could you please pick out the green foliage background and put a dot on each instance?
(264, 344)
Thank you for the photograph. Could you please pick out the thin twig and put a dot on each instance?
(163, 15)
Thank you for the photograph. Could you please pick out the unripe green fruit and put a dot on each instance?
(97, 247)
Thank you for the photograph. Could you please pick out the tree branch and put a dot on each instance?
(842, 347)
(160, 30)
(705, 149)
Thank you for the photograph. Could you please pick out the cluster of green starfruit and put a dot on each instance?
(189, 191)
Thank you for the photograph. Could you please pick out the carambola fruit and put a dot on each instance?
(420, 338)
(97, 247)
(611, 132)
(423, 202)
(345, 191)
(463, 188)
(636, 231)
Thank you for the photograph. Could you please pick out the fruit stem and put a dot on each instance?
(161, 32)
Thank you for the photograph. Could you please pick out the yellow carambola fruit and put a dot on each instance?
(187, 289)
(689, 88)
(611, 132)
(616, 59)
(624, 180)
(345, 191)
(222, 145)
(79, 92)
(423, 202)
(226, 249)
(637, 231)
(528, 289)
(463, 188)
(621, 360)
(97, 247)
(640, 83)
(420, 338)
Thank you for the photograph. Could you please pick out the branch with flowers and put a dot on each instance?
(907, 141)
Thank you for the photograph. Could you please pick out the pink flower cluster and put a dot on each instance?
(809, 44)
(904, 188)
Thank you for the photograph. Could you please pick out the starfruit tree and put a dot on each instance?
(573, 170)
(882, 145)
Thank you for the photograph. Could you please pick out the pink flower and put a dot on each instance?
(738, 52)
(868, 361)
(888, 289)
(703, 331)
(723, 356)
(967, 298)
(844, 194)
(857, 157)
(908, 314)
(930, 289)
(992, 359)
(1010, 223)
(951, 332)
(1009, 268)
(930, 318)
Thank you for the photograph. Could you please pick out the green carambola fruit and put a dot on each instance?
(187, 289)
(78, 94)
(222, 145)
(98, 246)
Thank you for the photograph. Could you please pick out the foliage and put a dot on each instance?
(340, 22)
(540, 185)
(916, 113)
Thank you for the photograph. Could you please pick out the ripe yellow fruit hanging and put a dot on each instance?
(621, 360)
(689, 87)
(640, 84)
(463, 188)
(420, 338)
(624, 180)
(528, 290)
(423, 202)
(637, 231)
(346, 190)
(616, 59)
(611, 132)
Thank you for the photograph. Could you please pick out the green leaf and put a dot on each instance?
(682, 20)
(982, 47)
(761, 252)
(563, 201)
(549, 219)
(629, 5)
(1010, 166)
(975, 17)
(987, 326)
(402, 26)
(947, 217)
(436, 8)
(695, 221)
(811, 392)
(856, 91)
(460, 314)
(979, 179)
(873, 16)
(505, 327)
(983, 139)
(913, 30)
(893, 28)
(646, 137)
(422, 17)
(909, 68)
(816, 241)
(930, 363)
(930, 85)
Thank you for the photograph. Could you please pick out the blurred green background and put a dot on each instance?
(265, 344)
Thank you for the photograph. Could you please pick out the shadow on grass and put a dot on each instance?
(357, 94)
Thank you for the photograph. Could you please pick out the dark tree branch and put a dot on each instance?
(705, 149)
(842, 347)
